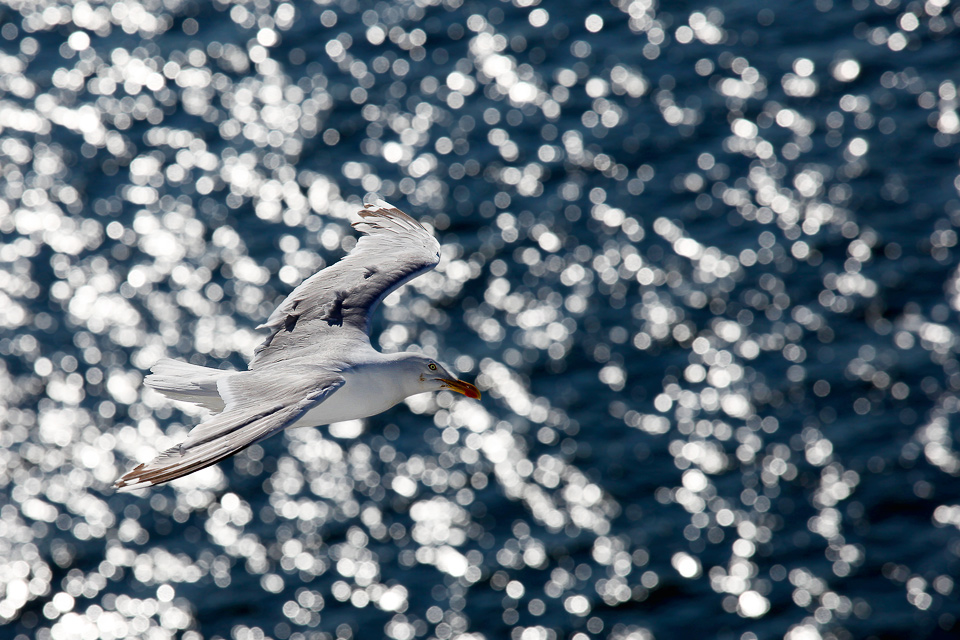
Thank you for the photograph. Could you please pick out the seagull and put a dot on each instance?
(316, 366)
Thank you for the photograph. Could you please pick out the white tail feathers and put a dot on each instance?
(188, 383)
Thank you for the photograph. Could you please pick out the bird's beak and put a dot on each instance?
(460, 386)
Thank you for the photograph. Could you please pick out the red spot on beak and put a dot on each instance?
(460, 386)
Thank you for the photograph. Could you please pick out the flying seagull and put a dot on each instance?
(317, 365)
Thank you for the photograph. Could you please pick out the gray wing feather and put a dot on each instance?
(339, 300)
(242, 423)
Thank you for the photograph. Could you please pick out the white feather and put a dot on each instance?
(187, 382)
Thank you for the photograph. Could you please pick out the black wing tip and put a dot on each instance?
(133, 480)
(143, 476)
(148, 474)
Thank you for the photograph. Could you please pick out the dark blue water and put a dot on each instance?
(701, 260)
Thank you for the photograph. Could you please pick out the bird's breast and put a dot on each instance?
(357, 398)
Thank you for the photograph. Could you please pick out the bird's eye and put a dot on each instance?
(432, 367)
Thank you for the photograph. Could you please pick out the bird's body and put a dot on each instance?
(353, 400)
(317, 365)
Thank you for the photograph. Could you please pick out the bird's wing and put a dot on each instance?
(258, 406)
(338, 300)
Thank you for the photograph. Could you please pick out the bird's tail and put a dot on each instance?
(188, 382)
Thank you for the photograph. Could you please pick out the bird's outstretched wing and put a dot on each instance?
(338, 301)
(259, 404)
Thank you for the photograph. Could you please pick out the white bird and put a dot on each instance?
(317, 365)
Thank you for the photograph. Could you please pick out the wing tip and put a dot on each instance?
(166, 466)
(133, 480)
(145, 476)
(383, 209)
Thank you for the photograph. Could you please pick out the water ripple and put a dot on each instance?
(702, 262)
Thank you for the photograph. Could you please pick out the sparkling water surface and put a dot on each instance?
(701, 259)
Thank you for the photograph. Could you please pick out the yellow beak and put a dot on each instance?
(460, 386)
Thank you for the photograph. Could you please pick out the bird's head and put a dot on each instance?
(433, 376)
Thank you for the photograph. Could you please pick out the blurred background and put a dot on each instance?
(701, 258)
